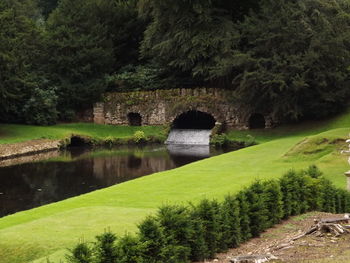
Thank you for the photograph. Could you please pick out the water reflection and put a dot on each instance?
(81, 170)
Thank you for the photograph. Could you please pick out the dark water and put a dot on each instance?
(81, 170)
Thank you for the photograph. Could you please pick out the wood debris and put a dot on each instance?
(253, 259)
(333, 226)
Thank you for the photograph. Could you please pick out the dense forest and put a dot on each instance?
(288, 57)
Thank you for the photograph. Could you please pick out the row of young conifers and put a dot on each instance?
(193, 232)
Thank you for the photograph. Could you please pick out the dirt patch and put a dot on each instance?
(307, 249)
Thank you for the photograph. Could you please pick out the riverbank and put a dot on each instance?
(23, 140)
(21, 149)
(13, 133)
(33, 235)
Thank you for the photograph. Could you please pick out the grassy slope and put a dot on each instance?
(11, 133)
(50, 229)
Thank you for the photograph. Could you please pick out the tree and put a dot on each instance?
(21, 52)
(47, 6)
(151, 239)
(258, 210)
(188, 37)
(292, 58)
(80, 54)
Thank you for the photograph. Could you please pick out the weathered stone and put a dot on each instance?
(163, 106)
(8, 151)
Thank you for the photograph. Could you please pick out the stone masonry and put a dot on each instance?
(161, 107)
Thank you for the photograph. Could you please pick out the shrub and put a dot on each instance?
(272, 197)
(230, 220)
(105, 248)
(40, 109)
(313, 171)
(199, 248)
(139, 137)
(258, 212)
(219, 140)
(207, 212)
(176, 227)
(151, 239)
(178, 234)
(244, 216)
(81, 253)
(129, 250)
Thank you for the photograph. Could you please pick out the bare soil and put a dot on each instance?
(277, 241)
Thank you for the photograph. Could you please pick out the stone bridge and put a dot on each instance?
(182, 108)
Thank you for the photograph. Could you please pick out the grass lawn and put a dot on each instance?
(12, 133)
(32, 235)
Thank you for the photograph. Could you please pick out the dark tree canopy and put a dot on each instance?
(286, 58)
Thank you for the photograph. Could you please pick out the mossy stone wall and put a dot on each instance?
(161, 107)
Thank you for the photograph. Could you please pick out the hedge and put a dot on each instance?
(195, 232)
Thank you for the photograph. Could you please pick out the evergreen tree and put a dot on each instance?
(105, 246)
(80, 54)
(21, 55)
(81, 253)
(273, 200)
(151, 239)
(207, 212)
(176, 228)
(128, 248)
(292, 58)
(231, 228)
(187, 36)
(328, 196)
(199, 248)
(258, 211)
(244, 222)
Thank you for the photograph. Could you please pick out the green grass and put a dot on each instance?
(12, 133)
(32, 235)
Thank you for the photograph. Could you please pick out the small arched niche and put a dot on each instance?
(194, 120)
(257, 121)
(134, 119)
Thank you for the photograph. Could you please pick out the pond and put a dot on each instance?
(80, 170)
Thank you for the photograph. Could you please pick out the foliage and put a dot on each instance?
(178, 233)
(47, 6)
(105, 248)
(81, 253)
(141, 77)
(258, 211)
(21, 51)
(80, 53)
(139, 137)
(40, 109)
(219, 140)
(288, 59)
(285, 61)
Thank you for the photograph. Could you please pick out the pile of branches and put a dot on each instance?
(333, 226)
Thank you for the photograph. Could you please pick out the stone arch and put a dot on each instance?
(194, 119)
(134, 119)
(257, 121)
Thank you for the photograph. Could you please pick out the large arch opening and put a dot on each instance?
(257, 121)
(134, 119)
(194, 120)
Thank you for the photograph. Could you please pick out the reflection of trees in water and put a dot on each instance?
(117, 169)
(33, 184)
(134, 162)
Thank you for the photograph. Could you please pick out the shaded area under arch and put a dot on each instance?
(134, 119)
(257, 121)
(194, 120)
